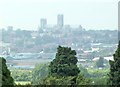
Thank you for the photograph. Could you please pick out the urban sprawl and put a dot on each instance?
(24, 49)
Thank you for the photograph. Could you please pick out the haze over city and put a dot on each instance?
(91, 14)
(59, 42)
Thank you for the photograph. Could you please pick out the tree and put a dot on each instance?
(39, 73)
(25, 75)
(59, 80)
(114, 75)
(65, 63)
(82, 80)
(83, 71)
(63, 69)
(5, 73)
(100, 62)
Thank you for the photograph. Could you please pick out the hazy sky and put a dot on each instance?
(91, 14)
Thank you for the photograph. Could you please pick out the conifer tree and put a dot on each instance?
(5, 74)
(114, 75)
(65, 62)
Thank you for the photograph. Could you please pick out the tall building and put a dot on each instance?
(43, 23)
(60, 21)
(10, 28)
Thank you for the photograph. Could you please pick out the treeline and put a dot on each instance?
(32, 41)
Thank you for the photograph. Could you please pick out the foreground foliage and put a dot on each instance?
(63, 69)
(21, 74)
(5, 73)
(114, 75)
(64, 63)
(39, 73)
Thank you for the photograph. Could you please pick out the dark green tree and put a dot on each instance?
(63, 69)
(5, 74)
(100, 62)
(65, 63)
(114, 75)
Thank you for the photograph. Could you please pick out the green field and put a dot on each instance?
(22, 82)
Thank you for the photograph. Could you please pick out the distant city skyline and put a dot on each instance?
(91, 14)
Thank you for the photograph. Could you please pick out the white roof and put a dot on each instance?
(107, 58)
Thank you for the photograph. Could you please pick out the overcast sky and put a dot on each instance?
(91, 14)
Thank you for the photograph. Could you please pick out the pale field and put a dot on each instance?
(22, 82)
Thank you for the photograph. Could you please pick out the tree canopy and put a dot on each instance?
(39, 73)
(65, 63)
(63, 69)
(100, 62)
(5, 73)
(114, 75)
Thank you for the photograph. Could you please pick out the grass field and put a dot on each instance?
(22, 82)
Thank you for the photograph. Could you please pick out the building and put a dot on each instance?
(43, 23)
(10, 28)
(60, 21)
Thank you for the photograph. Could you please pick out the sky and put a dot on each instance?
(91, 14)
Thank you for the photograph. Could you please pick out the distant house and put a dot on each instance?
(82, 60)
(106, 58)
(109, 58)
